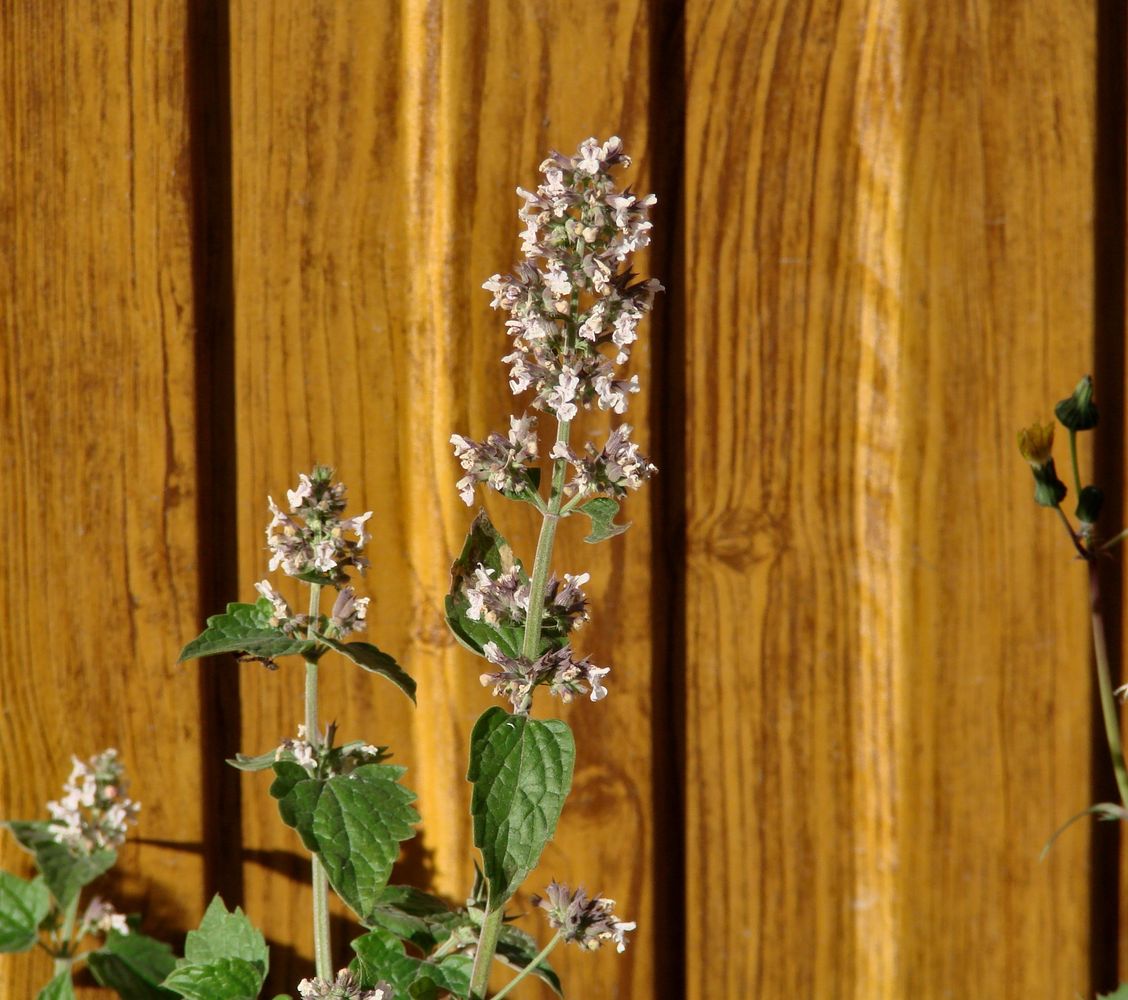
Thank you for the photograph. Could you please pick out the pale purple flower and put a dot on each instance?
(349, 613)
(100, 917)
(558, 670)
(344, 987)
(589, 922)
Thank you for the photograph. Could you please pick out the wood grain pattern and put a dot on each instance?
(375, 161)
(884, 636)
(98, 442)
(886, 267)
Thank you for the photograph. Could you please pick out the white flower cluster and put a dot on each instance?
(500, 462)
(314, 540)
(588, 922)
(574, 308)
(558, 670)
(618, 467)
(100, 917)
(94, 812)
(345, 987)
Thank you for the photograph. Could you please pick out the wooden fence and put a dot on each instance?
(851, 694)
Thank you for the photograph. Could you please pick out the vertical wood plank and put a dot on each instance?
(98, 443)
(881, 724)
(375, 161)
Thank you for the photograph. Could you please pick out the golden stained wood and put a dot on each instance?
(885, 639)
(98, 443)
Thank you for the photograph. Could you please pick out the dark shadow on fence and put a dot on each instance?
(208, 85)
(667, 416)
(1108, 363)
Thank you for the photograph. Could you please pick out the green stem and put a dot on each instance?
(542, 562)
(531, 967)
(1073, 455)
(484, 953)
(1115, 540)
(63, 957)
(322, 946)
(1073, 536)
(1104, 683)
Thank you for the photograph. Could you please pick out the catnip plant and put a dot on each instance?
(574, 307)
(77, 845)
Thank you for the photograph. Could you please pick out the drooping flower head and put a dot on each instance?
(344, 987)
(588, 922)
(94, 812)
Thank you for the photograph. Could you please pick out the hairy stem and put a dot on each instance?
(542, 562)
(63, 959)
(322, 948)
(540, 957)
(1104, 683)
(1073, 456)
(484, 953)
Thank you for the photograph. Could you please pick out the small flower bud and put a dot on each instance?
(1049, 491)
(1079, 412)
(1089, 502)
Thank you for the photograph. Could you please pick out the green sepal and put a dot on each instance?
(1078, 412)
(1089, 503)
(602, 511)
(517, 949)
(531, 493)
(23, 907)
(245, 629)
(521, 770)
(250, 763)
(134, 965)
(1049, 491)
(66, 870)
(61, 987)
(375, 661)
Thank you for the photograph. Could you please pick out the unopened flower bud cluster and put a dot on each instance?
(313, 537)
(574, 308)
(342, 760)
(344, 987)
(94, 812)
(588, 922)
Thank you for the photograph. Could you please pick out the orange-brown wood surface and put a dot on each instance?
(885, 638)
(850, 695)
(99, 579)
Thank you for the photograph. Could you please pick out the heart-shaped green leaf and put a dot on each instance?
(358, 823)
(66, 870)
(602, 511)
(521, 770)
(133, 965)
(23, 905)
(245, 628)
